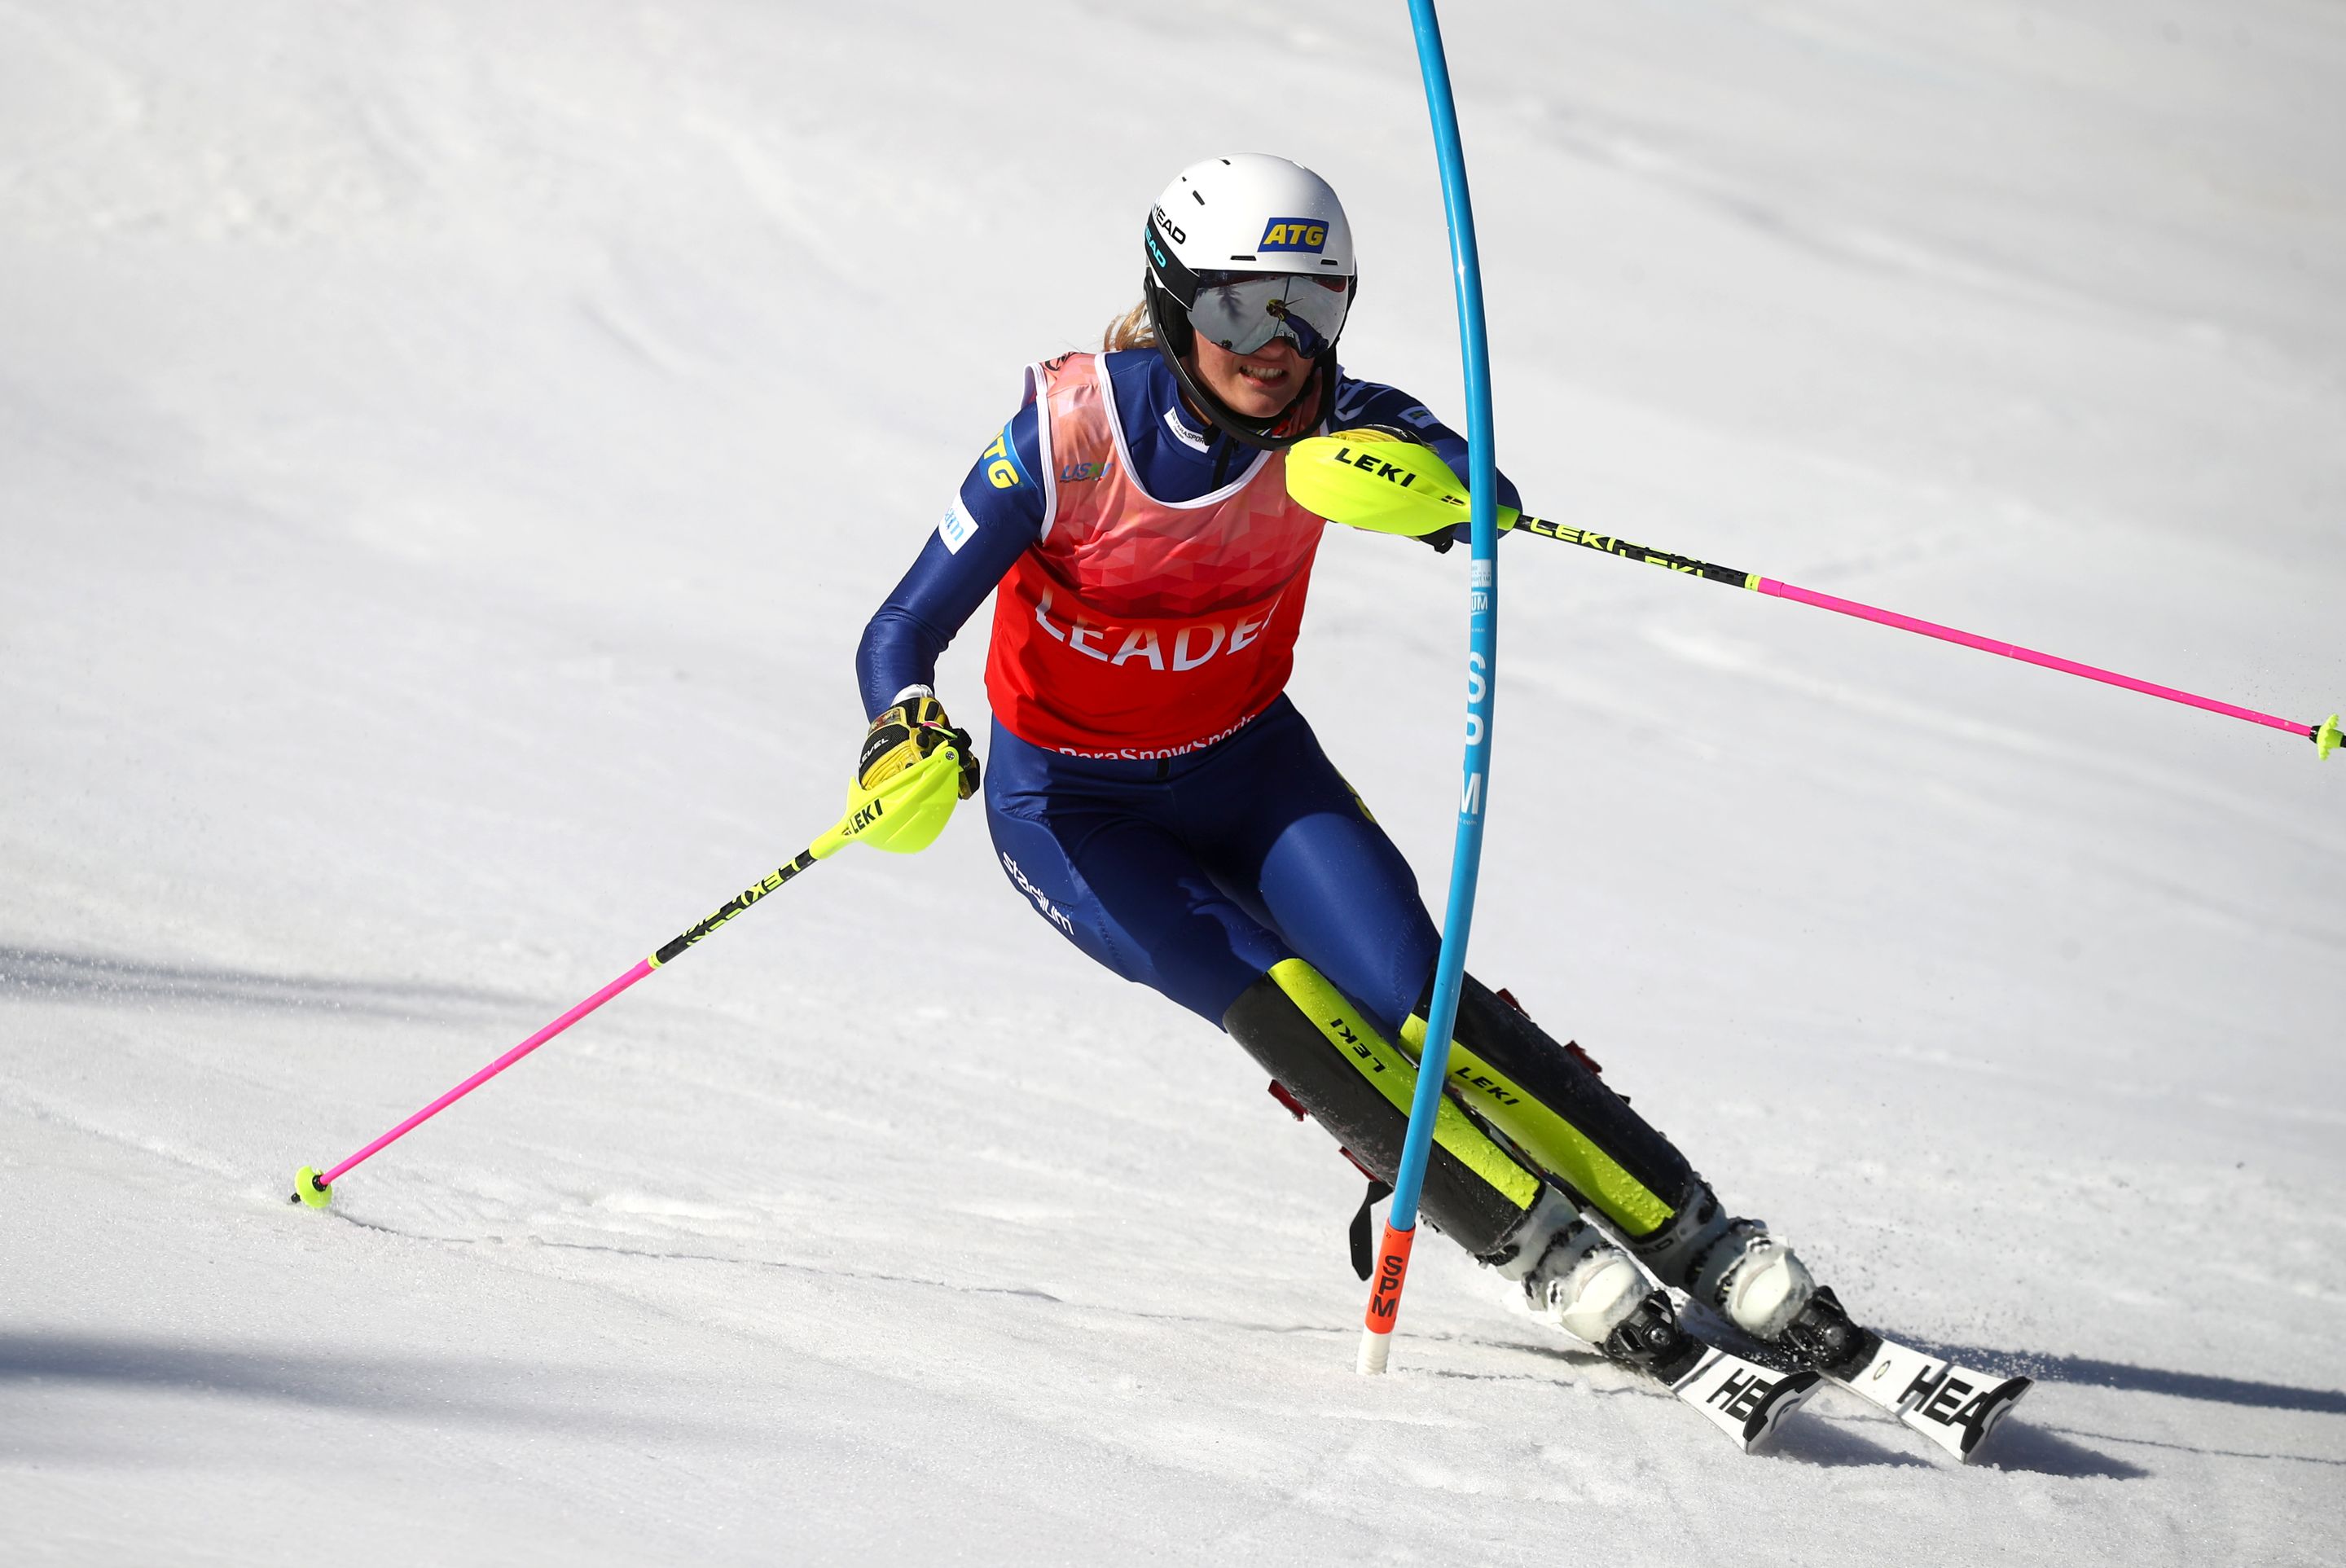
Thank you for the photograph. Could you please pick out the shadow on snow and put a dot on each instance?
(2088, 1372)
(101, 979)
(483, 1391)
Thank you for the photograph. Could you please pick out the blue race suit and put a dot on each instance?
(1193, 874)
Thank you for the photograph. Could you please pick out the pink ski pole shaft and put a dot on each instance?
(643, 967)
(2029, 656)
(2326, 736)
(315, 1188)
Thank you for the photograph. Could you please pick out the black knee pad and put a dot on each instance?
(1358, 1086)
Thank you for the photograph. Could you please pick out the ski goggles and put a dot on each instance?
(1243, 312)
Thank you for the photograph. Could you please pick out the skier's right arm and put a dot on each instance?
(994, 516)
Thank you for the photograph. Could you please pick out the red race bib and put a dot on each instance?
(1137, 627)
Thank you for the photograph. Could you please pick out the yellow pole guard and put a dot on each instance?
(901, 814)
(1374, 480)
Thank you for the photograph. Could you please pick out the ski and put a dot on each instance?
(1743, 1398)
(1952, 1406)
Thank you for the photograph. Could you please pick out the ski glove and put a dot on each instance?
(914, 767)
(904, 735)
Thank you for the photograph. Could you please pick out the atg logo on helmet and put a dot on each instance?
(1294, 234)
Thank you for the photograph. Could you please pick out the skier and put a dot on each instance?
(1165, 806)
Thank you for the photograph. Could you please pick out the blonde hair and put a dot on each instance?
(1131, 331)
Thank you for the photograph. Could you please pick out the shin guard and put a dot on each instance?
(1549, 1101)
(1358, 1086)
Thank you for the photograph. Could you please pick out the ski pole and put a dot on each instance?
(1482, 662)
(1372, 480)
(315, 1187)
(903, 814)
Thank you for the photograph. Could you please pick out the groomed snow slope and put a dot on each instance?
(447, 452)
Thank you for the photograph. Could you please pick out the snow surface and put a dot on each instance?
(447, 454)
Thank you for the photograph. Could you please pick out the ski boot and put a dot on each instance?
(1572, 1273)
(1731, 1264)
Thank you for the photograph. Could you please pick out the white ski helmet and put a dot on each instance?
(1243, 250)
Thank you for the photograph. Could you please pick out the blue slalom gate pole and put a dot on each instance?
(1482, 663)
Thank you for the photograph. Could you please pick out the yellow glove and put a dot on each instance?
(914, 767)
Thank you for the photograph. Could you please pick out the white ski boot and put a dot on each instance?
(1731, 1264)
(1572, 1273)
(1755, 1279)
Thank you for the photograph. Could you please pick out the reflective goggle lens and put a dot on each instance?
(1243, 312)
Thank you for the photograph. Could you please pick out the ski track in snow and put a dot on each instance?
(451, 452)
